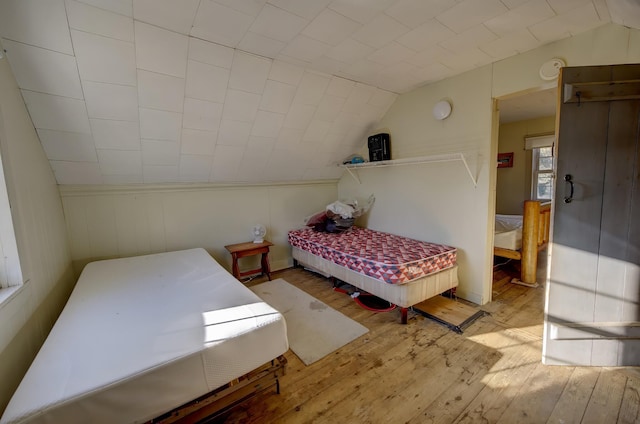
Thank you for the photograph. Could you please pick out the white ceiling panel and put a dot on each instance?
(165, 81)
(201, 114)
(41, 23)
(299, 116)
(110, 134)
(194, 167)
(311, 89)
(226, 161)
(27, 63)
(160, 124)
(121, 7)
(427, 34)
(278, 24)
(286, 73)
(160, 152)
(414, 13)
(60, 145)
(120, 162)
(277, 96)
(160, 50)
(159, 173)
(159, 91)
(349, 51)
(249, 7)
(267, 124)
(56, 112)
(331, 27)
(210, 53)
(380, 31)
(220, 24)
(261, 45)
(391, 54)
(197, 142)
(111, 101)
(84, 17)
(329, 108)
(472, 37)
(253, 164)
(234, 133)
(119, 179)
(523, 16)
(206, 82)
(173, 15)
(249, 72)
(104, 59)
(241, 106)
(504, 47)
(361, 11)
(67, 172)
(305, 49)
(469, 13)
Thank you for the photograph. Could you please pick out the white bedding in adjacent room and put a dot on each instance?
(140, 336)
(508, 232)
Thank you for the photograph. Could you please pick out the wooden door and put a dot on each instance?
(592, 310)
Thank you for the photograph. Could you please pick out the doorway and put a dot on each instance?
(525, 172)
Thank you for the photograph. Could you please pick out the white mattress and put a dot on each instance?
(141, 336)
(508, 232)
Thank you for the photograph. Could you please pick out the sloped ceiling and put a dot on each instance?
(163, 91)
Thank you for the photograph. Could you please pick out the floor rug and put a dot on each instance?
(313, 328)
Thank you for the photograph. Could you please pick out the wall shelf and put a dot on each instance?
(352, 168)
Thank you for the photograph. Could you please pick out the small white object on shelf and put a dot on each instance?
(258, 231)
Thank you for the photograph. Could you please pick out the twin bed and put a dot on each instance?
(400, 270)
(141, 336)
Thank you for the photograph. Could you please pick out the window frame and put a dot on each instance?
(536, 172)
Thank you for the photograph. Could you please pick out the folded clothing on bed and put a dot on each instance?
(387, 257)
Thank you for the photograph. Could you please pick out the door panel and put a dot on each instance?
(592, 307)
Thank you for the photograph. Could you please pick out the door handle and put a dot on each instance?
(568, 178)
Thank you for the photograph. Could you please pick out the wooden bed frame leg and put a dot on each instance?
(403, 315)
(530, 242)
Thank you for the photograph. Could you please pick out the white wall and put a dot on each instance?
(106, 222)
(26, 318)
(438, 202)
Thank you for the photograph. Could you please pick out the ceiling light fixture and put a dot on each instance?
(442, 110)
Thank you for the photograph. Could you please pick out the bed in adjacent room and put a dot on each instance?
(144, 335)
(400, 270)
(521, 237)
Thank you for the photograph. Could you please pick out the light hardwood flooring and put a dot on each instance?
(424, 373)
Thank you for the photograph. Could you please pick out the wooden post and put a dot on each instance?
(530, 227)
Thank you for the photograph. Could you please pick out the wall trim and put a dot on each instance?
(105, 190)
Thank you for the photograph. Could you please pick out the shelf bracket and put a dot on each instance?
(466, 165)
(354, 175)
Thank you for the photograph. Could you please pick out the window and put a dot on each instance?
(542, 173)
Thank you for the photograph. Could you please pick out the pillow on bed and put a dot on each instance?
(316, 219)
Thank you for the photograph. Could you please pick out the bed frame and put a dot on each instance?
(535, 236)
(403, 295)
(216, 404)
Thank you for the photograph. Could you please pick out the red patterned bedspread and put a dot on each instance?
(387, 257)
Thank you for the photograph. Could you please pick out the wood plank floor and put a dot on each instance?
(424, 373)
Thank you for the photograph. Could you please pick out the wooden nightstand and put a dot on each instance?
(241, 250)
